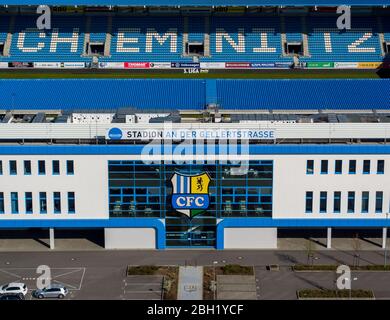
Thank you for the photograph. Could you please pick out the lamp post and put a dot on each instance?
(215, 279)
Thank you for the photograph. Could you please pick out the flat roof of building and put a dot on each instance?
(190, 94)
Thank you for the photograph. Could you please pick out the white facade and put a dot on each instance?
(129, 238)
(89, 183)
(290, 184)
(250, 238)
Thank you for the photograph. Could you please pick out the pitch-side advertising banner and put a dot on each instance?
(238, 65)
(137, 65)
(111, 65)
(185, 65)
(160, 65)
(320, 65)
(369, 65)
(73, 65)
(345, 65)
(47, 65)
(212, 65)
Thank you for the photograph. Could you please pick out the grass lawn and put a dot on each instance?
(210, 275)
(335, 294)
(174, 74)
(171, 276)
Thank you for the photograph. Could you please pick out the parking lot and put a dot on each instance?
(235, 287)
(72, 278)
(143, 287)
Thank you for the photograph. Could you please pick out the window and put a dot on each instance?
(352, 167)
(379, 202)
(324, 166)
(12, 167)
(323, 201)
(28, 202)
(42, 202)
(56, 167)
(69, 167)
(366, 166)
(57, 202)
(27, 167)
(71, 202)
(337, 202)
(365, 201)
(309, 202)
(14, 202)
(338, 167)
(1, 202)
(380, 169)
(1, 167)
(351, 202)
(310, 167)
(41, 167)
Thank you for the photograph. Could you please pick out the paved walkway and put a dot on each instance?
(190, 283)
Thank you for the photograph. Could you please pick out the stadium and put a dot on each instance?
(199, 153)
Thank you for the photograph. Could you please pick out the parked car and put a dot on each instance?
(14, 288)
(12, 296)
(52, 291)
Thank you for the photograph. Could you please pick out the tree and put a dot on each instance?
(310, 249)
(357, 246)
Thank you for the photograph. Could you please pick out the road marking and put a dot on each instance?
(66, 273)
(53, 278)
(10, 273)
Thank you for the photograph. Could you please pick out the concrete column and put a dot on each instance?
(384, 238)
(329, 238)
(51, 235)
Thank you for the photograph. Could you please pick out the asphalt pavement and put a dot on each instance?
(102, 274)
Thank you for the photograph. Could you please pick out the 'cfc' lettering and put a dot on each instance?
(189, 201)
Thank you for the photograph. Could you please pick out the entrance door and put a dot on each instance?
(184, 232)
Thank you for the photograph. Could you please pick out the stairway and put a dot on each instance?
(8, 40)
(87, 35)
(381, 35)
(107, 43)
(283, 37)
(206, 40)
(185, 35)
(305, 39)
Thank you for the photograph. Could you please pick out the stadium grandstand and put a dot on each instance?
(192, 35)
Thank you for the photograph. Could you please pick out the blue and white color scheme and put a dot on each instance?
(190, 193)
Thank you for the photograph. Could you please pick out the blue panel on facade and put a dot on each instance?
(96, 223)
(295, 223)
(137, 149)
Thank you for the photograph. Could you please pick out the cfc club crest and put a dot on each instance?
(190, 193)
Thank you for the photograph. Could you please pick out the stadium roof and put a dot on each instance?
(200, 2)
(194, 94)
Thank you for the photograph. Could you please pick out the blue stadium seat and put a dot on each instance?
(64, 42)
(226, 44)
(160, 38)
(327, 43)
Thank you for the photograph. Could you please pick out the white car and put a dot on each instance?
(14, 288)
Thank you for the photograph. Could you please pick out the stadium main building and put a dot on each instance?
(193, 163)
